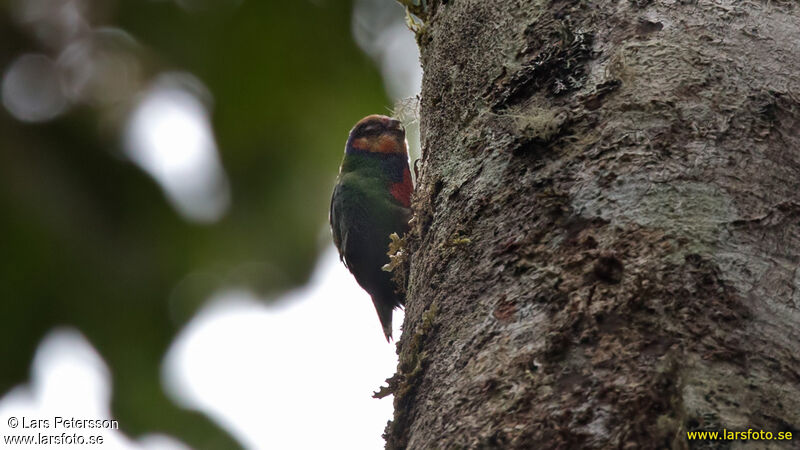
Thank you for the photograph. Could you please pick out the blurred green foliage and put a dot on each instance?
(88, 240)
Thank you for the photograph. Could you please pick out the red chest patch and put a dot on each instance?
(402, 190)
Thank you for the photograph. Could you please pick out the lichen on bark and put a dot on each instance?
(621, 181)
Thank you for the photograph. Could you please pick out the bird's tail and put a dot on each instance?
(385, 316)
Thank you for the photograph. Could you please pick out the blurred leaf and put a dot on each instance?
(88, 239)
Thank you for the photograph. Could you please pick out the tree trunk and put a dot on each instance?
(607, 233)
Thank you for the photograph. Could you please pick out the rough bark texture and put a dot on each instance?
(607, 235)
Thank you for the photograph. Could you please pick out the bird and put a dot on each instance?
(372, 200)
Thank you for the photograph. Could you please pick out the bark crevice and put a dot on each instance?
(605, 221)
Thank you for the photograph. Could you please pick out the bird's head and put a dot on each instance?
(378, 134)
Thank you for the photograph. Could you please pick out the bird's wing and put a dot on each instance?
(338, 231)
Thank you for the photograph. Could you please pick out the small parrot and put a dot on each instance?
(372, 200)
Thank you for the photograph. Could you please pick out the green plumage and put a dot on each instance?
(365, 209)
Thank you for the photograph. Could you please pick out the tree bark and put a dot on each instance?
(607, 226)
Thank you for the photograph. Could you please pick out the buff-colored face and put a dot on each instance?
(379, 134)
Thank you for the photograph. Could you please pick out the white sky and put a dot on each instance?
(68, 379)
(266, 373)
(262, 372)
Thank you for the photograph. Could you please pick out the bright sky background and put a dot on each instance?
(266, 373)
(262, 372)
(314, 356)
